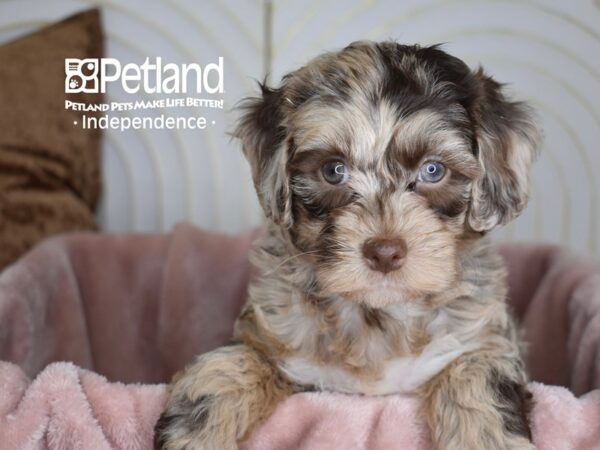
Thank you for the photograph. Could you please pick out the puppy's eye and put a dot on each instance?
(335, 172)
(431, 172)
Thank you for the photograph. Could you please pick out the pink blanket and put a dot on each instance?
(136, 308)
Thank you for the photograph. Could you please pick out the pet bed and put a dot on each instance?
(127, 311)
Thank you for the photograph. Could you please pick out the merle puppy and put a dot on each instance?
(380, 169)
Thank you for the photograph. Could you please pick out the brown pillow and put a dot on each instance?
(49, 167)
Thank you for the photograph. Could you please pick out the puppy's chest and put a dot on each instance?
(341, 346)
(399, 374)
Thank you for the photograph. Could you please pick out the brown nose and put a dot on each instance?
(384, 255)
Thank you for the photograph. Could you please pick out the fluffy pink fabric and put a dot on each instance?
(135, 308)
(66, 407)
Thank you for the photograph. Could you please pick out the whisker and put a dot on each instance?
(289, 259)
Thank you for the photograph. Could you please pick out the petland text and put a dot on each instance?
(92, 75)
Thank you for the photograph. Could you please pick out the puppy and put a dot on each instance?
(380, 169)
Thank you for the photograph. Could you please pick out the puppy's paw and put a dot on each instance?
(195, 424)
(218, 400)
(519, 443)
(508, 442)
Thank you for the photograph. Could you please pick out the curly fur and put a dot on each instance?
(317, 316)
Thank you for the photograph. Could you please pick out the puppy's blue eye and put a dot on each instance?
(335, 172)
(431, 172)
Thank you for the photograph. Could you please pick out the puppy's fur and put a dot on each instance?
(318, 317)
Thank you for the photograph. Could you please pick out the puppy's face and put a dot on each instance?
(379, 160)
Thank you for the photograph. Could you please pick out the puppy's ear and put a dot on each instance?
(506, 141)
(264, 144)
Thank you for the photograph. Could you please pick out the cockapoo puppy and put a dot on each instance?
(380, 169)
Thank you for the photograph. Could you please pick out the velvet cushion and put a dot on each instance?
(49, 167)
(138, 307)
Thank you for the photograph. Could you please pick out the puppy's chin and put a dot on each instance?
(382, 296)
(378, 290)
(420, 277)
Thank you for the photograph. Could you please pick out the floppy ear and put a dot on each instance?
(506, 140)
(265, 146)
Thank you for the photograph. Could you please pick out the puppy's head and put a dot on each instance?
(379, 160)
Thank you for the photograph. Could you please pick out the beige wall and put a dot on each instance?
(548, 50)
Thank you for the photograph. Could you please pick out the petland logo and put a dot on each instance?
(92, 75)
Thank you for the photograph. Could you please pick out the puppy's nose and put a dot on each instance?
(384, 255)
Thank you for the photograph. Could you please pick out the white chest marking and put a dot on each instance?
(400, 375)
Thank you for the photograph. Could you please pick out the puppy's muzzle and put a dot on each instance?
(383, 254)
